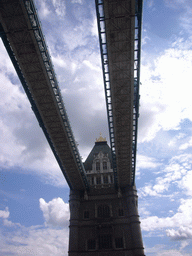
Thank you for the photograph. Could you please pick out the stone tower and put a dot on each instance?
(104, 221)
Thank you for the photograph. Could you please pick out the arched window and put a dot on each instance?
(97, 166)
(91, 244)
(103, 211)
(105, 179)
(104, 165)
(119, 242)
(111, 176)
(86, 214)
(121, 212)
(98, 179)
(105, 241)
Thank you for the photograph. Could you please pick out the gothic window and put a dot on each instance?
(111, 178)
(98, 179)
(104, 165)
(119, 242)
(86, 215)
(92, 179)
(121, 212)
(91, 244)
(105, 179)
(103, 211)
(97, 166)
(105, 242)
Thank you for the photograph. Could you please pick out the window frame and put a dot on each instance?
(97, 166)
(91, 244)
(105, 241)
(119, 243)
(86, 215)
(104, 165)
(105, 179)
(103, 211)
(121, 212)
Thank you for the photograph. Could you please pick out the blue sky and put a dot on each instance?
(33, 193)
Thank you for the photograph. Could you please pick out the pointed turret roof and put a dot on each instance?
(100, 145)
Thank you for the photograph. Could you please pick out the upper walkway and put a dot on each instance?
(119, 24)
(24, 41)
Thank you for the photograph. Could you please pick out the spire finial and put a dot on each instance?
(100, 138)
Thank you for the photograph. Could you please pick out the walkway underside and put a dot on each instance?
(23, 36)
(120, 32)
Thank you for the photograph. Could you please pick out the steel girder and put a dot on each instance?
(119, 25)
(22, 36)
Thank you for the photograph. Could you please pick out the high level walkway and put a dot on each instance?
(24, 41)
(119, 24)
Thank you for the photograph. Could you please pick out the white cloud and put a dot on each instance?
(147, 190)
(4, 214)
(51, 239)
(59, 61)
(150, 3)
(184, 243)
(60, 7)
(162, 96)
(172, 252)
(162, 250)
(94, 30)
(144, 211)
(185, 183)
(181, 220)
(174, 141)
(44, 10)
(78, 37)
(55, 212)
(35, 240)
(185, 10)
(177, 172)
(146, 162)
(77, 1)
(180, 234)
(186, 145)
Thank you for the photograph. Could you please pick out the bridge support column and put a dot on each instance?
(105, 223)
(134, 223)
(74, 203)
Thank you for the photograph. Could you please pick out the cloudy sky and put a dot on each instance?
(33, 193)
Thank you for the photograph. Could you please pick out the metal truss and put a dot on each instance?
(36, 27)
(107, 85)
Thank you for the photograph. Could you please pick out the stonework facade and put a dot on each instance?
(104, 221)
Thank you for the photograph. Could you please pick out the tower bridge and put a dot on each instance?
(103, 201)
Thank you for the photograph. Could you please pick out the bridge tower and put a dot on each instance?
(104, 221)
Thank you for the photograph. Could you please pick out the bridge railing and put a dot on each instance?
(137, 58)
